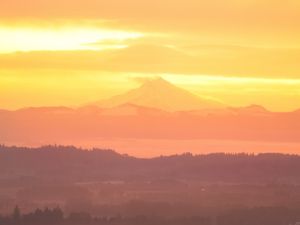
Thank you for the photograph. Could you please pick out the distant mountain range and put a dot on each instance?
(156, 110)
(160, 94)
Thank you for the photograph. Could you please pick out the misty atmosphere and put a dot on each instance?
(149, 112)
(153, 119)
(66, 185)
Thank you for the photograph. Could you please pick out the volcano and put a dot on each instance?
(160, 94)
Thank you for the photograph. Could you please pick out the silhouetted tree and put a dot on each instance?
(80, 218)
(58, 214)
(16, 216)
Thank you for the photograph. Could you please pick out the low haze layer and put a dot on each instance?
(184, 75)
(156, 118)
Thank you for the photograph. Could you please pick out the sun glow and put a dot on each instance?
(71, 38)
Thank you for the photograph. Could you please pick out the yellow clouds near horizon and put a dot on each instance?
(14, 39)
(275, 94)
(51, 88)
(152, 58)
(246, 22)
(68, 52)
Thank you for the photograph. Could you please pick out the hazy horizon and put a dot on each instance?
(153, 119)
(142, 82)
(149, 112)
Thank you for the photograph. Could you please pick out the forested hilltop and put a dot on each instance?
(72, 186)
(70, 164)
(253, 216)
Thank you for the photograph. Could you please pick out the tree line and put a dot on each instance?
(74, 164)
(246, 216)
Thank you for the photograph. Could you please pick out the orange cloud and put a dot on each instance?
(229, 38)
(215, 60)
(255, 22)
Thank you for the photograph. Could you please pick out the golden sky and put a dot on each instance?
(69, 52)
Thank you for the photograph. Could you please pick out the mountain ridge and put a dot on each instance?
(161, 94)
(71, 164)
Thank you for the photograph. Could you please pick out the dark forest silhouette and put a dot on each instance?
(65, 185)
(251, 216)
(72, 164)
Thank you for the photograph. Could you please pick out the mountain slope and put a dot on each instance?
(159, 93)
